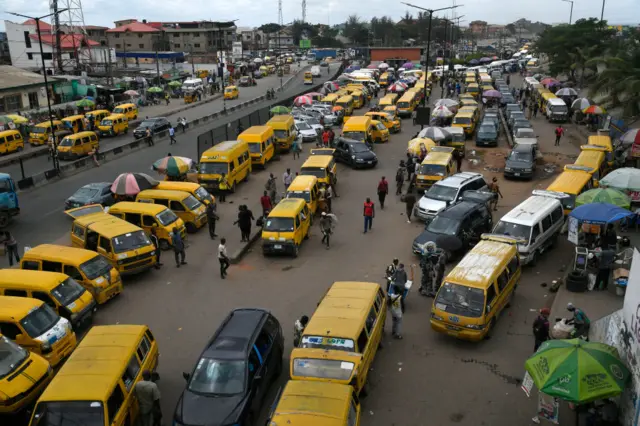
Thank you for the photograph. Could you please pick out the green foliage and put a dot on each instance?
(269, 28)
(356, 30)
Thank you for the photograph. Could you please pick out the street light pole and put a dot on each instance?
(426, 65)
(602, 12)
(571, 12)
(56, 163)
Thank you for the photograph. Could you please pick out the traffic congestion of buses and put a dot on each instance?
(53, 296)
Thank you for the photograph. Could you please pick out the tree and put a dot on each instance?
(511, 28)
(299, 29)
(270, 28)
(385, 32)
(356, 30)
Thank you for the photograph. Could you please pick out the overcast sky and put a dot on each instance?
(252, 13)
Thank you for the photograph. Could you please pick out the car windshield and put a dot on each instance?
(85, 193)
(332, 369)
(461, 120)
(303, 195)
(227, 90)
(11, 356)
(442, 193)
(202, 194)
(279, 224)
(280, 134)
(402, 104)
(106, 122)
(39, 130)
(66, 142)
(319, 172)
(214, 168)
(487, 131)
(67, 291)
(444, 225)
(303, 126)
(147, 123)
(39, 321)
(357, 136)
(130, 241)
(472, 89)
(525, 133)
(254, 148)
(515, 230)
(191, 203)
(166, 217)
(521, 124)
(460, 300)
(96, 267)
(220, 377)
(333, 343)
(359, 147)
(520, 156)
(432, 170)
(69, 413)
(558, 108)
(312, 121)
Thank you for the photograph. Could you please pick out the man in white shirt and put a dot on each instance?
(223, 258)
(287, 178)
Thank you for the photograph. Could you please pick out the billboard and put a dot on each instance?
(236, 50)
(305, 44)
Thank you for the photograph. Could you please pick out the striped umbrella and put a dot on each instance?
(398, 87)
(581, 103)
(446, 102)
(435, 133)
(567, 91)
(631, 137)
(302, 100)
(547, 81)
(594, 109)
(491, 94)
(604, 195)
(173, 166)
(132, 183)
(439, 112)
(332, 85)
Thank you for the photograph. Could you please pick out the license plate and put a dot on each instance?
(516, 174)
(451, 327)
(277, 246)
(369, 162)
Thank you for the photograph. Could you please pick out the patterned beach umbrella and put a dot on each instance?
(132, 183)
(173, 166)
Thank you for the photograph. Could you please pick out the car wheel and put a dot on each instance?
(191, 227)
(232, 187)
(296, 250)
(4, 220)
(246, 178)
(164, 245)
(534, 258)
(492, 326)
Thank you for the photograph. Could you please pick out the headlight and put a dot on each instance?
(45, 346)
(74, 316)
(120, 262)
(508, 169)
(474, 327)
(436, 317)
(353, 157)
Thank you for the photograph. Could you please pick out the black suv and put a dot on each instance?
(465, 221)
(234, 372)
(156, 125)
(354, 153)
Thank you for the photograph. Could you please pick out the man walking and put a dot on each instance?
(178, 247)
(559, 133)
(148, 397)
(287, 178)
(172, 136)
(410, 201)
(149, 137)
(223, 258)
(495, 188)
(326, 224)
(535, 109)
(265, 202)
(400, 178)
(457, 155)
(328, 198)
(395, 303)
(11, 247)
(383, 190)
(212, 217)
(369, 214)
(271, 188)
(154, 239)
(541, 328)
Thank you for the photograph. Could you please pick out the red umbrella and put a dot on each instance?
(548, 80)
(302, 100)
(495, 58)
(372, 66)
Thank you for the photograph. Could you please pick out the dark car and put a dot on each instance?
(93, 193)
(354, 153)
(157, 124)
(234, 372)
(507, 99)
(465, 220)
(487, 134)
(521, 162)
(244, 81)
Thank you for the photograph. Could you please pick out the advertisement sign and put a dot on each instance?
(572, 233)
(548, 407)
(236, 50)
(305, 44)
(527, 384)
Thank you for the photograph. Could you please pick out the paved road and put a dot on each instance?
(424, 379)
(41, 163)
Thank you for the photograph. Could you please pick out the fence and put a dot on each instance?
(230, 131)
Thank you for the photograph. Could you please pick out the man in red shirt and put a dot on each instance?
(369, 213)
(325, 138)
(383, 190)
(265, 202)
(559, 133)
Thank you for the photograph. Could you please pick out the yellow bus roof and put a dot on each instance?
(343, 310)
(58, 253)
(407, 97)
(464, 114)
(287, 207)
(164, 193)
(313, 403)
(330, 96)
(570, 182)
(98, 112)
(390, 96)
(106, 224)
(317, 161)
(479, 267)
(142, 208)
(590, 158)
(48, 123)
(437, 158)
(303, 183)
(95, 366)
(280, 119)
(73, 117)
(345, 98)
(16, 308)
(223, 147)
(114, 116)
(600, 140)
(34, 280)
(358, 120)
(473, 85)
(80, 135)
(254, 131)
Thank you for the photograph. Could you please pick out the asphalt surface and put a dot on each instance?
(425, 379)
(40, 164)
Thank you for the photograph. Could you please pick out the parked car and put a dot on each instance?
(507, 99)
(92, 193)
(354, 153)
(513, 116)
(511, 107)
(493, 117)
(521, 162)
(520, 124)
(487, 135)
(157, 124)
(447, 191)
(234, 372)
(308, 133)
(465, 220)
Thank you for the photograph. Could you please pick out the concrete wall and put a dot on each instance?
(20, 52)
(24, 94)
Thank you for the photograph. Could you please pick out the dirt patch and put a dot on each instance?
(486, 159)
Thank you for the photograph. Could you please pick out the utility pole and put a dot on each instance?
(571, 12)
(426, 65)
(602, 12)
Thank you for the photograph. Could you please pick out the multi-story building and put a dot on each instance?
(478, 28)
(251, 38)
(5, 56)
(280, 40)
(133, 36)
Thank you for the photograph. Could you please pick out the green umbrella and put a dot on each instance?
(85, 103)
(175, 83)
(279, 109)
(155, 89)
(577, 371)
(5, 120)
(173, 166)
(604, 195)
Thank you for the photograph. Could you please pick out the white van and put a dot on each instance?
(557, 110)
(192, 84)
(315, 71)
(536, 221)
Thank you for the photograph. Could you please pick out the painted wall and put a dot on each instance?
(411, 54)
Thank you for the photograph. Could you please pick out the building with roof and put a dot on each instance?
(133, 36)
(78, 50)
(20, 90)
(5, 57)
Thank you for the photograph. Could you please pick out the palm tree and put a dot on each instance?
(580, 62)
